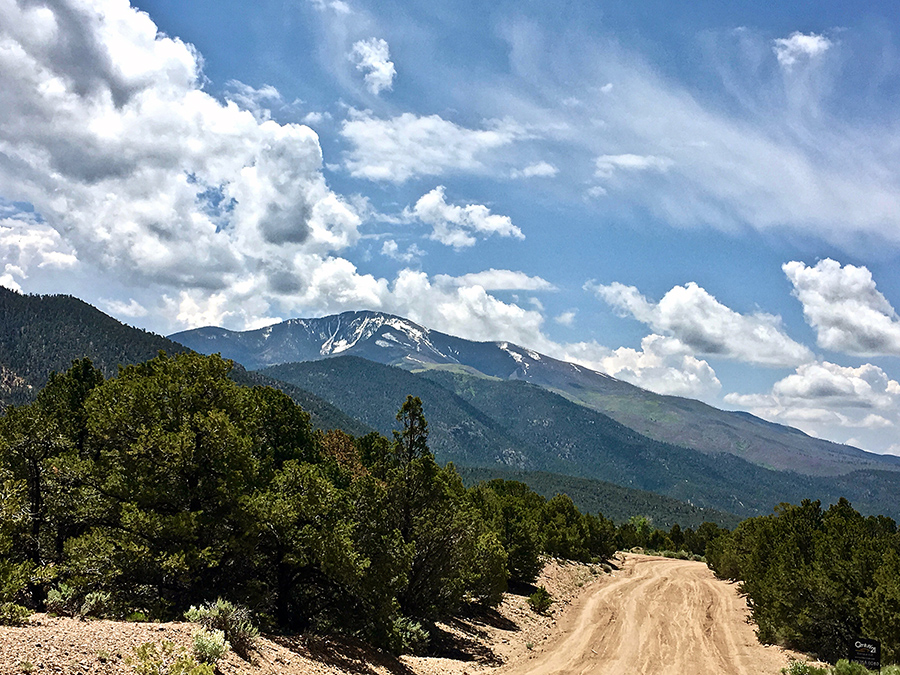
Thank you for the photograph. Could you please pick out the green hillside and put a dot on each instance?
(613, 501)
(481, 422)
(41, 334)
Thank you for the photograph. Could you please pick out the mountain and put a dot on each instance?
(490, 423)
(392, 340)
(40, 334)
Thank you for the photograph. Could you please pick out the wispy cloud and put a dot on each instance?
(398, 148)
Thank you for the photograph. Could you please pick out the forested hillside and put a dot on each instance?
(40, 334)
(393, 340)
(44, 334)
(516, 425)
(620, 504)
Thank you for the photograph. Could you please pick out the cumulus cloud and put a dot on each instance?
(408, 145)
(27, 244)
(663, 364)
(706, 326)
(537, 170)
(822, 398)
(799, 46)
(847, 311)
(457, 226)
(372, 57)
(108, 133)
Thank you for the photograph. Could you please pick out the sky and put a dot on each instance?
(699, 198)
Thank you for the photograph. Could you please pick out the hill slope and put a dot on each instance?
(392, 340)
(40, 334)
(516, 425)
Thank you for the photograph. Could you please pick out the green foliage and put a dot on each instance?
(12, 614)
(64, 601)
(845, 667)
(540, 601)
(209, 645)
(135, 496)
(232, 621)
(408, 637)
(815, 579)
(97, 604)
(165, 659)
(880, 607)
(804, 668)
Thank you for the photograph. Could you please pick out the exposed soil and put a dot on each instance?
(650, 615)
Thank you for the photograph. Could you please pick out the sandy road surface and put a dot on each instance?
(656, 615)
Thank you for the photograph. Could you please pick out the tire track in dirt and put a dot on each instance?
(656, 616)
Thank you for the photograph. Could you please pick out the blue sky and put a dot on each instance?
(700, 198)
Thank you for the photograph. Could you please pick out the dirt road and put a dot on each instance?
(655, 616)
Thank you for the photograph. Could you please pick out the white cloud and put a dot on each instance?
(799, 46)
(372, 57)
(27, 244)
(566, 318)
(252, 99)
(662, 364)
(316, 117)
(457, 226)
(108, 133)
(131, 309)
(824, 398)
(498, 280)
(539, 170)
(706, 326)
(842, 303)
(401, 147)
(391, 249)
(607, 165)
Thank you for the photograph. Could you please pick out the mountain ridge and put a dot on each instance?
(392, 340)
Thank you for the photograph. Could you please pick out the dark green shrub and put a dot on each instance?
(540, 600)
(408, 637)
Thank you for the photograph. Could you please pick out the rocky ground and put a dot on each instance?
(465, 646)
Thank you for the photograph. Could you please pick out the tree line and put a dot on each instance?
(170, 484)
(816, 578)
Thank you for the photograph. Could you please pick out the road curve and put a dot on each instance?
(656, 616)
